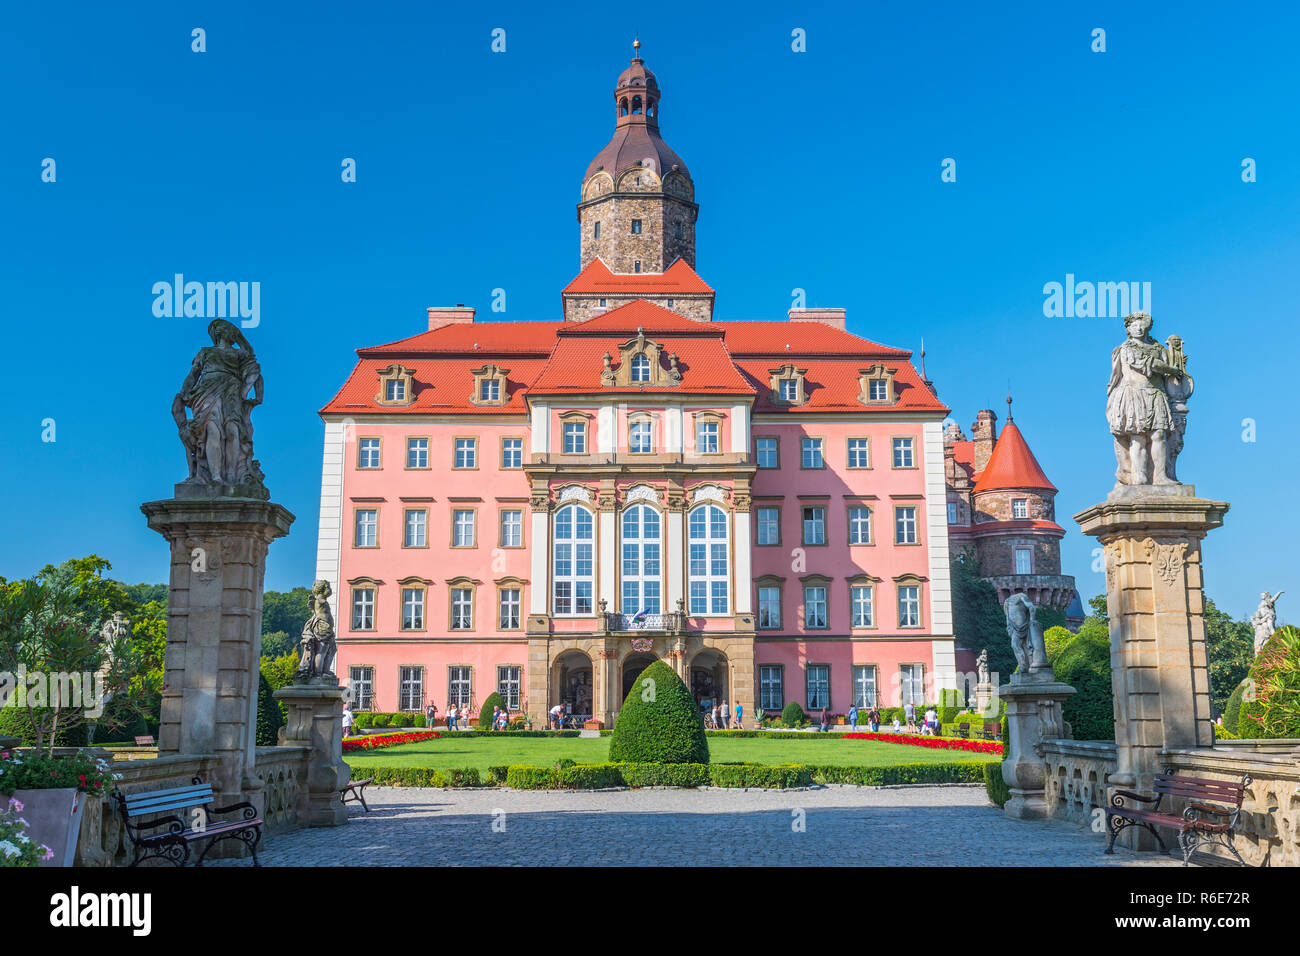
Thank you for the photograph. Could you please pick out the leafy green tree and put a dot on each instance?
(285, 611)
(1229, 651)
(1049, 617)
(277, 644)
(1082, 660)
(278, 672)
(978, 619)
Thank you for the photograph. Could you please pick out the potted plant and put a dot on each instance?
(51, 790)
(17, 848)
(592, 724)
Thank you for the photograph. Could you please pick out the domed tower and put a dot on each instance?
(637, 210)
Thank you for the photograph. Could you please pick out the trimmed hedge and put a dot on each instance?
(994, 785)
(269, 718)
(1232, 709)
(779, 777)
(957, 771)
(485, 712)
(366, 720)
(420, 776)
(792, 715)
(659, 722)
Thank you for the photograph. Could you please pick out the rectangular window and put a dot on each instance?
(767, 451)
(508, 685)
(706, 438)
(771, 692)
(462, 609)
(489, 390)
(814, 525)
(466, 453)
(640, 438)
(903, 453)
(810, 453)
(462, 524)
(859, 453)
(819, 686)
(510, 603)
(769, 607)
(1024, 561)
(363, 609)
(459, 686)
(878, 390)
(909, 605)
(814, 606)
(636, 227)
(1019, 508)
(575, 438)
(769, 525)
(677, 234)
(361, 681)
(595, 231)
(412, 609)
(417, 453)
(862, 602)
(864, 685)
(512, 529)
(789, 390)
(905, 525)
(859, 525)
(410, 688)
(368, 453)
(512, 453)
(417, 523)
(952, 512)
(395, 390)
(912, 683)
(367, 532)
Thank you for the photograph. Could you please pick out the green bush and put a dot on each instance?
(659, 722)
(485, 712)
(950, 705)
(497, 775)
(779, 777)
(1083, 662)
(994, 785)
(1232, 710)
(14, 723)
(1270, 707)
(419, 776)
(957, 771)
(792, 715)
(666, 774)
(269, 720)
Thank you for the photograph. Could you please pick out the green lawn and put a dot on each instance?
(449, 750)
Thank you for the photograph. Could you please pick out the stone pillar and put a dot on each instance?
(214, 631)
(539, 674)
(1033, 715)
(316, 721)
(985, 705)
(606, 663)
(1156, 604)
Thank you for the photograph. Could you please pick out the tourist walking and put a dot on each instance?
(714, 716)
(725, 711)
(853, 717)
(909, 712)
(430, 714)
(824, 721)
(347, 720)
(873, 718)
(932, 722)
(740, 718)
(451, 717)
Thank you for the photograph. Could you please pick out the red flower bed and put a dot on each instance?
(386, 740)
(937, 743)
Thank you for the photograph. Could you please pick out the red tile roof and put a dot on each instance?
(442, 386)
(1012, 465)
(490, 337)
(576, 364)
(679, 278)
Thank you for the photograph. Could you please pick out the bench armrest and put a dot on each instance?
(1209, 808)
(1116, 801)
(250, 811)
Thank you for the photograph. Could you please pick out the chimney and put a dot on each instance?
(983, 433)
(832, 317)
(459, 314)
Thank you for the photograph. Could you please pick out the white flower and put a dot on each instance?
(23, 837)
(8, 849)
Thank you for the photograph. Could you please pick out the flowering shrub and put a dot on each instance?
(937, 743)
(386, 740)
(16, 847)
(33, 770)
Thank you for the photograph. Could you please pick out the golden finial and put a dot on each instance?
(636, 46)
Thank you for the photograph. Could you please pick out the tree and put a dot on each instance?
(285, 611)
(1229, 651)
(659, 722)
(978, 620)
(1082, 660)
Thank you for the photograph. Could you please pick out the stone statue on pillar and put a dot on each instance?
(1264, 620)
(222, 389)
(982, 666)
(1146, 407)
(319, 650)
(1026, 640)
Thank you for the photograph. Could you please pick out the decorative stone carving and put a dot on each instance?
(319, 649)
(1026, 640)
(708, 493)
(640, 493)
(574, 493)
(1146, 407)
(1264, 620)
(540, 503)
(657, 375)
(218, 439)
(1165, 559)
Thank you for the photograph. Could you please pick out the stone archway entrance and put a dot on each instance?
(573, 684)
(633, 665)
(710, 678)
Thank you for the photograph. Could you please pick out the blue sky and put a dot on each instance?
(817, 170)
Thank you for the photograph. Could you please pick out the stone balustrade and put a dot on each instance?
(1076, 777)
(283, 771)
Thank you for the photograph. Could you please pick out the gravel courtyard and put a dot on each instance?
(846, 826)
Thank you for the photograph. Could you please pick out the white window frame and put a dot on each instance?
(813, 517)
(463, 532)
(460, 685)
(462, 609)
(641, 437)
(816, 607)
(771, 687)
(813, 679)
(812, 453)
(510, 609)
(410, 688)
(361, 682)
(642, 552)
(911, 684)
(862, 605)
(1028, 564)
(415, 533)
(414, 615)
(575, 438)
(512, 453)
(763, 524)
(1019, 508)
(363, 609)
(706, 438)
(362, 525)
(466, 453)
(859, 448)
(905, 528)
(775, 451)
(859, 524)
(510, 685)
(365, 448)
(709, 590)
(417, 453)
(512, 528)
(904, 453)
(581, 549)
(864, 685)
(772, 597)
(909, 605)
(640, 370)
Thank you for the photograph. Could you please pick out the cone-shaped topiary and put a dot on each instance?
(659, 722)
(485, 712)
(792, 715)
(269, 720)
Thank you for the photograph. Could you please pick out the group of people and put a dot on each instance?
(873, 718)
(722, 716)
(457, 717)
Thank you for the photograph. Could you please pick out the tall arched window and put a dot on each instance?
(708, 560)
(641, 572)
(641, 368)
(574, 575)
(622, 106)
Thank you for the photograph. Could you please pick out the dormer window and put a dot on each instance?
(788, 385)
(489, 386)
(640, 369)
(641, 363)
(396, 386)
(877, 386)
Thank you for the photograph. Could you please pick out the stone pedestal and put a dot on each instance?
(214, 631)
(316, 721)
(1033, 715)
(1154, 594)
(985, 705)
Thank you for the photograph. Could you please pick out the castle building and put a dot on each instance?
(543, 508)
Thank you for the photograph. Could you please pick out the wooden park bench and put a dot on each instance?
(356, 790)
(963, 731)
(173, 843)
(992, 731)
(1201, 823)
(145, 740)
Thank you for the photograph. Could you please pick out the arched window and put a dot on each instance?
(636, 106)
(622, 106)
(641, 368)
(574, 575)
(641, 573)
(708, 561)
(649, 107)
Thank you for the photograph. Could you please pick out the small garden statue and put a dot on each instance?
(319, 649)
(1026, 640)
(982, 666)
(1264, 620)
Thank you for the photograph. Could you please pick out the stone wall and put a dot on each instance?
(1076, 777)
(655, 247)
